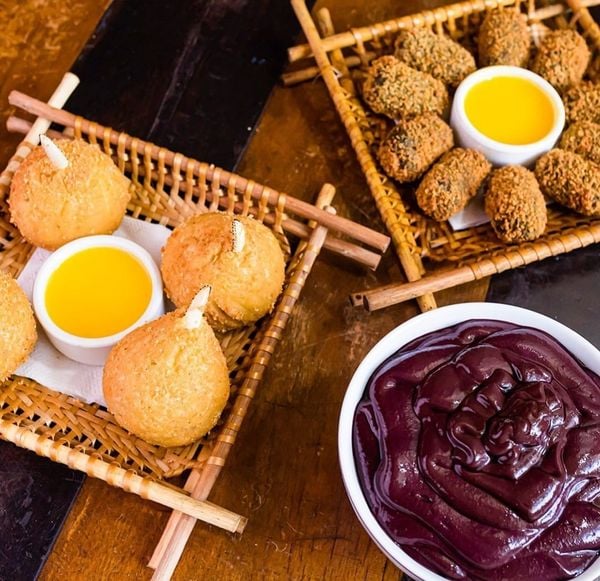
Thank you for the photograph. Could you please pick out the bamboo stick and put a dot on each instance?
(124, 479)
(336, 245)
(343, 225)
(367, 33)
(296, 77)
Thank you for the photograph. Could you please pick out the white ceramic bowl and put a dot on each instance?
(83, 349)
(400, 336)
(497, 153)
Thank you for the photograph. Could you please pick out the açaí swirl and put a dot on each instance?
(478, 450)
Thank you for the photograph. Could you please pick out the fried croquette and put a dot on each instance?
(449, 185)
(245, 281)
(562, 59)
(570, 180)
(582, 102)
(413, 145)
(17, 326)
(167, 383)
(51, 206)
(394, 89)
(434, 54)
(504, 39)
(515, 204)
(583, 138)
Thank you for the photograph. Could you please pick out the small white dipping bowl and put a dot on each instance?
(394, 340)
(83, 349)
(500, 154)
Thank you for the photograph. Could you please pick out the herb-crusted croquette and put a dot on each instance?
(413, 145)
(562, 58)
(394, 89)
(515, 204)
(435, 54)
(583, 138)
(504, 39)
(452, 182)
(582, 102)
(570, 180)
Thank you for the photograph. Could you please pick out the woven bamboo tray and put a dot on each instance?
(167, 187)
(432, 255)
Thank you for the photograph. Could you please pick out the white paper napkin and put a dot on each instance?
(471, 215)
(51, 368)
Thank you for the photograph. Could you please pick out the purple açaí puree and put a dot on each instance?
(478, 450)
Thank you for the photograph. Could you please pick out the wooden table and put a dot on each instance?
(283, 473)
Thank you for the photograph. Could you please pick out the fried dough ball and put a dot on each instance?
(394, 89)
(504, 39)
(562, 59)
(167, 383)
(449, 185)
(582, 102)
(413, 145)
(17, 326)
(583, 138)
(51, 206)
(434, 54)
(245, 283)
(570, 180)
(515, 204)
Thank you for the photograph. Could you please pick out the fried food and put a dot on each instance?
(394, 89)
(413, 145)
(51, 206)
(434, 54)
(504, 39)
(515, 204)
(562, 59)
(167, 383)
(17, 326)
(570, 180)
(449, 185)
(246, 281)
(582, 102)
(583, 138)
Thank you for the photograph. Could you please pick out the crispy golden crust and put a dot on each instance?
(394, 89)
(51, 207)
(562, 58)
(504, 39)
(582, 102)
(583, 138)
(17, 326)
(245, 285)
(449, 185)
(515, 204)
(413, 145)
(570, 180)
(165, 383)
(434, 54)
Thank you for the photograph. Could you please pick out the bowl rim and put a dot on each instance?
(487, 73)
(418, 326)
(68, 250)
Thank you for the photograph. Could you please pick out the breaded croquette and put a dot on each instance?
(504, 39)
(583, 138)
(570, 180)
(562, 59)
(434, 54)
(413, 145)
(452, 182)
(394, 89)
(515, 204)
(582, 102)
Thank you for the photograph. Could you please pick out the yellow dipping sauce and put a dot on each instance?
(98, 292)
(510, 110)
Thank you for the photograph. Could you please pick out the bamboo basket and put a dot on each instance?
(433, 256)
(167, 187)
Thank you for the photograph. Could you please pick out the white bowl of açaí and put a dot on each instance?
(469, 445)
